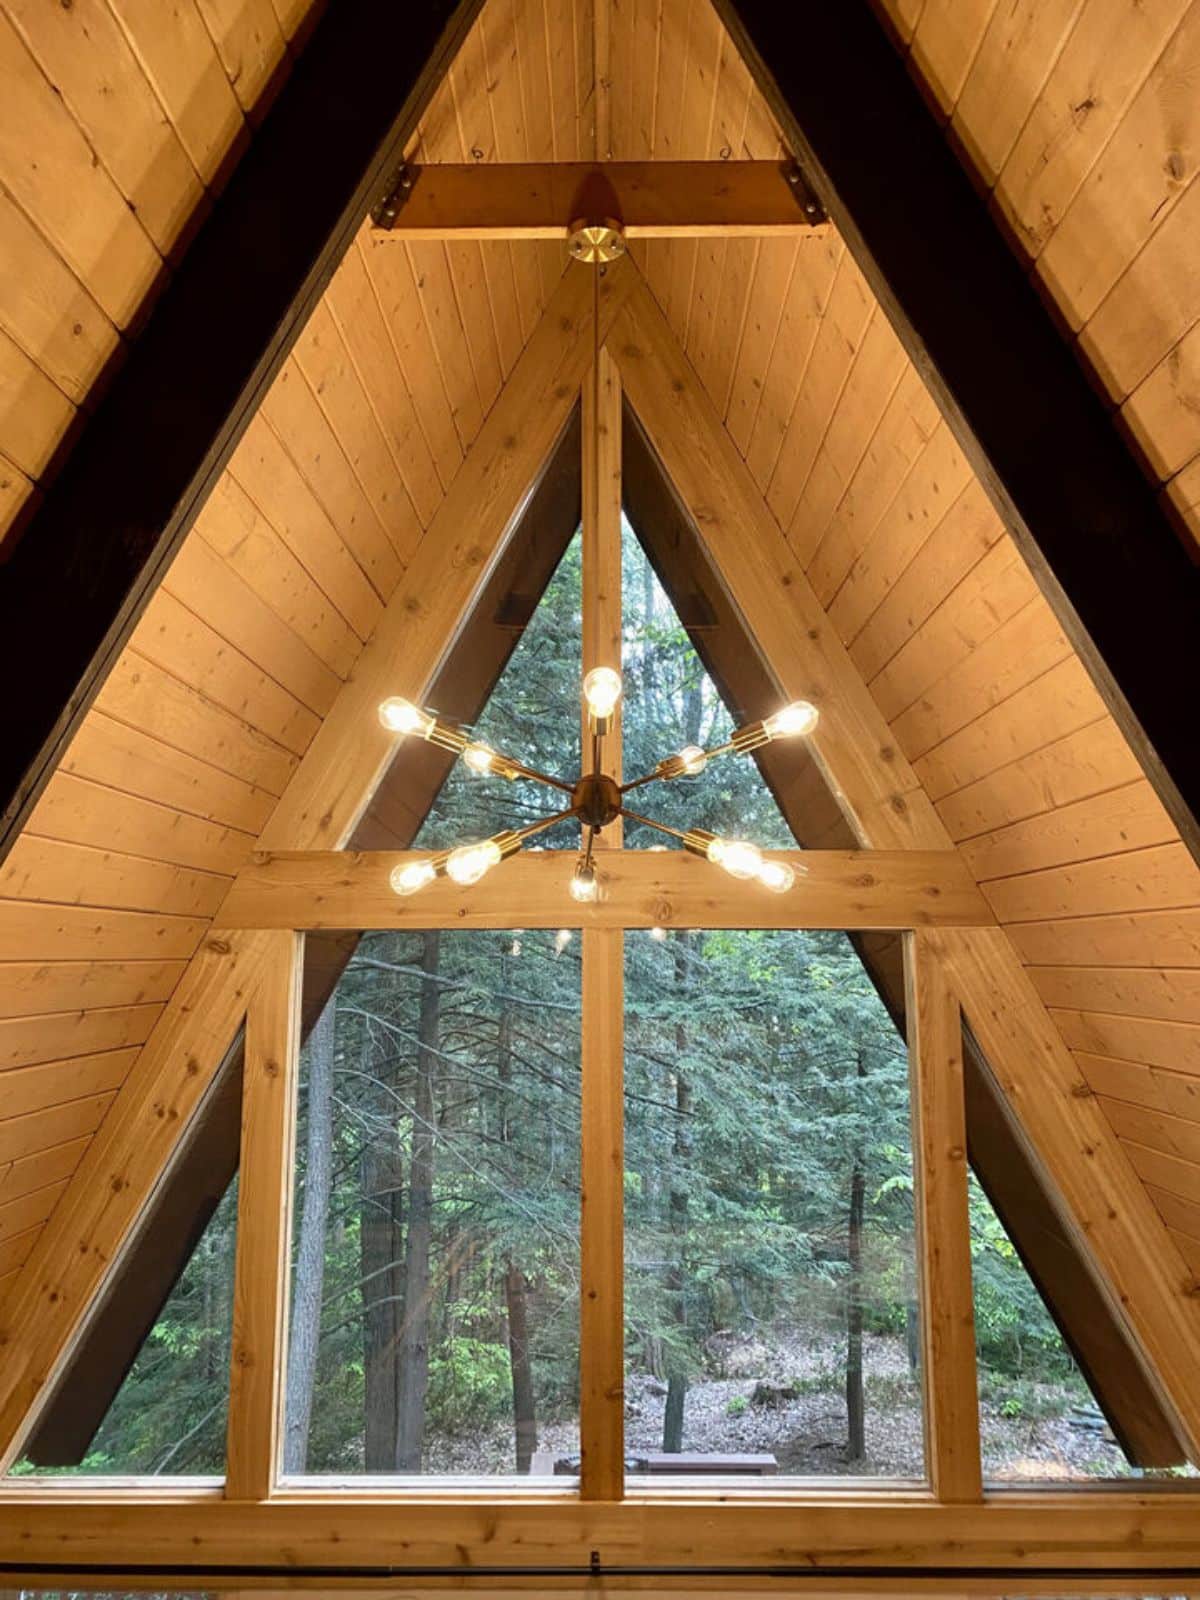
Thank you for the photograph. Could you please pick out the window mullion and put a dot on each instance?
(602, 1296)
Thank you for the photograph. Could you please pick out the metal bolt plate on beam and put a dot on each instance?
(805, 195)
(385, 211)
(596, 242)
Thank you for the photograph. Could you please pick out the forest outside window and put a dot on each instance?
(435, 1275)
(771, 1292)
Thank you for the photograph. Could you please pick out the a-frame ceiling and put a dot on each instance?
(1090, 151)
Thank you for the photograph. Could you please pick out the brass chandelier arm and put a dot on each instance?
(522, 771)
(673, 766)
(649, 822)
(533, 828)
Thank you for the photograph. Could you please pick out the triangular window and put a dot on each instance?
(168, 1417)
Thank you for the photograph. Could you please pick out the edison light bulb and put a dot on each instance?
(479, 758)
(561, 940)
(469, 862)
(583, 885)
(401, 716)
(739, 858)
(776, 876)
(602, 690)
(693, 759)
(798, 718)
(412, 876)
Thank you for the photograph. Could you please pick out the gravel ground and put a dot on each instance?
(807, 1434)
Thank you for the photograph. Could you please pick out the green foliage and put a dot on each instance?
(469, 1383)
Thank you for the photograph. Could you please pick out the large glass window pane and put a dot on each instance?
(770, 1274)
(435, 1298)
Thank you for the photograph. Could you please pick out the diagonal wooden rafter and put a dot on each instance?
(45, 1312)
(137, 477)
(1041, 440)
(1148, 1283)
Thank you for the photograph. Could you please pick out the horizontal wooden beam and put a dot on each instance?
(847, 889)
(312, 1533)
(650, 199)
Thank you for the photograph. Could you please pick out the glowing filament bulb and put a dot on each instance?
(776, 876)
(401, 716)
(561, 940)
(583, 885)
(469, 862)
(739, 858)
(479, 758)
(602, 690)
(659, 935)
(693, 760)
(798, 718)
(412, 876)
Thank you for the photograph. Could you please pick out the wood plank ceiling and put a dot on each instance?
(1079, 115)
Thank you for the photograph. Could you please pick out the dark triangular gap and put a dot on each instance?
(137, 1291)
(1021, 1193)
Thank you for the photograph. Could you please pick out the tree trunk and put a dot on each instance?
(678, 1215)
(413, 1375)
(516, 1287)
(856, 1438)
(309, 1280)
(524, 1420)
(381, 1244)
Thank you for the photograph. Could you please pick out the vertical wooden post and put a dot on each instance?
(943, 1225)
(602, 1319)
(260, 1289)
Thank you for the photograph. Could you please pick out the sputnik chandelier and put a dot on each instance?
(596, 799)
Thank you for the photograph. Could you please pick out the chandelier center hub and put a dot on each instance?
(596, 799)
